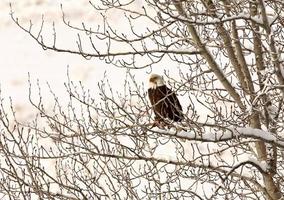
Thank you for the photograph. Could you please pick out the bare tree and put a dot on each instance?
(230, 146)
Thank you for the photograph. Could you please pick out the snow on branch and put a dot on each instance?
(228, 134)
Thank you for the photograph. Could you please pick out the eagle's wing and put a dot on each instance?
(173, 99)
(174, 106)
(165, 103)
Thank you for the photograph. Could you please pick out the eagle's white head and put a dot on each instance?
(155, 81)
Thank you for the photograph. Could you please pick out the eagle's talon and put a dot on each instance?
(160, 124)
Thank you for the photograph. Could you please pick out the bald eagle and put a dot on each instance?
(164, 101)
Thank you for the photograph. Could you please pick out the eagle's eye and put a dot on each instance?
(153, 79)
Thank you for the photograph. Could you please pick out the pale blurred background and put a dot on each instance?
(21, 55)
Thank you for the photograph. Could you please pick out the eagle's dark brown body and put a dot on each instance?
(165, 104)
